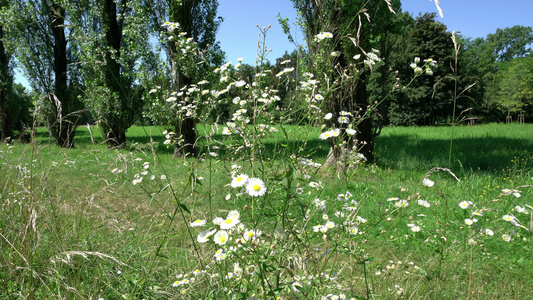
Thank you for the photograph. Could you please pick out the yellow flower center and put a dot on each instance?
(257, 187)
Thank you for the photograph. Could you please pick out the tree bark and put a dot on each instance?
(364, 135)
(64, 128)
(185, 126)
(349, 95)
(5, 83)
(113, 123)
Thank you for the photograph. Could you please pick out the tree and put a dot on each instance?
(112, 43)
(41, 44)
(350, 23)
(511, 42)
(515, 86)
(6, 82)
(482, 58)
(197, 20)
(191, 50)
(420, 103)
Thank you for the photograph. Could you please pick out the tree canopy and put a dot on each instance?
(107, 57)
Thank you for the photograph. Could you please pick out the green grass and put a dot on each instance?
(73, 229)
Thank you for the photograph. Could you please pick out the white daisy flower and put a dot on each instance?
(423, 203)
(255, 187)
(427, 182)
(221, 237)
(465, 204)
(353, 230)
(229, 223)
(203, 236)
(198, 223)
(239, 180)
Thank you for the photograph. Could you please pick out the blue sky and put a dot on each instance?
(238, 33)
(473, 18)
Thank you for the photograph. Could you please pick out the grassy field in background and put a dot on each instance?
(491, 147)
(74, 229)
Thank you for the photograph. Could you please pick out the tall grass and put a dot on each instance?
(74, 226)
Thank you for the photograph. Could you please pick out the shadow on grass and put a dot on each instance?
(476, 153)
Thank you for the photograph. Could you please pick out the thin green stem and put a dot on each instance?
(470, 273)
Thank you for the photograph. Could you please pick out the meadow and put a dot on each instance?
(134, 223)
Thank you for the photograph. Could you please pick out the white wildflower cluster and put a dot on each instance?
(423, 203)
(372, 58)
(428, 66)
(169, 137)
(308, 83)
(233, 239)
(513, 220)
(254, 187)
(399, 203)
(330, 282)
(344, 120)
(398, 267)
(403, 204)
(330, 134)
(221, 235)
(171, 26)
(323, 35)
(469, 221)
(248, 104)
(344, 117)
(507, 192)
(284, 71)
(117, 171)
(345, 218)
(309, 162)
(138, 177)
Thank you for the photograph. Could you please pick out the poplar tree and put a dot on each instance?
(41, 43)
(6, 82)
(112, 40)
(196, 21)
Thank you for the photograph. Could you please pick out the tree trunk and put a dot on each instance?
(114, 122)
(115, 137)
(349, 95)
(64, 128)
(6, 131)
(5, 83)
(365, 136)
(185, 126)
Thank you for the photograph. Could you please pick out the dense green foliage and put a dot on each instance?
(37, 35)
(113, 72)
(6, 78)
